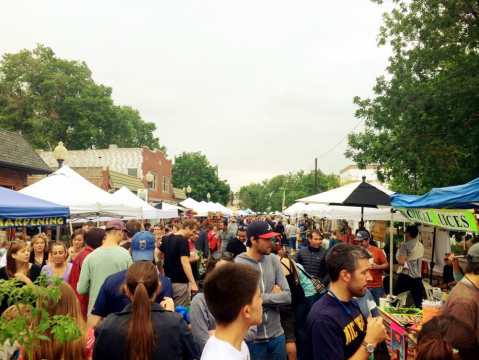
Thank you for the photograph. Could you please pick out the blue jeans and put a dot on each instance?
(292, 242)
(271, 349)
(377, 293)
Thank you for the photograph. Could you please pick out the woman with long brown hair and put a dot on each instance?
(39, 254)
(18, 267)
(80, 348)
(18, 264)
(144, 330)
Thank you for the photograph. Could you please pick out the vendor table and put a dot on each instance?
(402, 335)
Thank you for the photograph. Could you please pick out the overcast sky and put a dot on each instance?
(261, 87)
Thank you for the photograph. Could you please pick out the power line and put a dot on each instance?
(340, 141)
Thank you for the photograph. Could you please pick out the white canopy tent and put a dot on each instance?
(189, 203)
(196, 206)
(125, 196)
(341, 212)
(245, 212)
(339, 194)
(166, 206)
(66, 187)
(203, 208)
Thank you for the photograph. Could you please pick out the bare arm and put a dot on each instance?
(185, 263)
(381, 267)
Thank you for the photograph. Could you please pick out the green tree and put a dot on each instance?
(51, 99)
(32, 322)
(268, 195)
(194, 170)
(422, 125)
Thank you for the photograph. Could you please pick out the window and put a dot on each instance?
(166, 184)
(133, 172)
(152, 184)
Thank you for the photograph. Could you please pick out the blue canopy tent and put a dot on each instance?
(17, 209)
(452, 197)
(452, 207)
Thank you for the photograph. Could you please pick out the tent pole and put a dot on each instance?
(432, 256)
(58, 233)
(391, 251)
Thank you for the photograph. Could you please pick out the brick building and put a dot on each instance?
(115, 167)
(18, 160)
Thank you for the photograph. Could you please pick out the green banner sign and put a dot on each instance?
(452, 219)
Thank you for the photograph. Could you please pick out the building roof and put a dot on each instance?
(116, 159)
(16, 152)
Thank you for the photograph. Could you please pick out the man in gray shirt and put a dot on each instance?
(409, 256)
(269, 342)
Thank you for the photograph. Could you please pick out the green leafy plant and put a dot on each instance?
(31, 322)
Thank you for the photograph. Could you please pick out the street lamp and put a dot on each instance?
(208, 196)
(60, 153)
(188, 191)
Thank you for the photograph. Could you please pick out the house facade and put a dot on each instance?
(18, 160)
(353, 173)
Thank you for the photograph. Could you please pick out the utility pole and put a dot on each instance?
(316, 175)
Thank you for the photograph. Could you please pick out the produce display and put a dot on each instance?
(408, 317)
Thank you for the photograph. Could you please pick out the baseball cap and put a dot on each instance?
(473, 254)
(362, 235)
(143, 246)
(115, 225)
(260, 229)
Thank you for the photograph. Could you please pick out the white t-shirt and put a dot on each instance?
(216, 349)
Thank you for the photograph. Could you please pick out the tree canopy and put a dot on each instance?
(422, 124)
(50, 99)
(268, 195)
(194, 170)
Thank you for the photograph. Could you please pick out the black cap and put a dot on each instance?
(260, 229)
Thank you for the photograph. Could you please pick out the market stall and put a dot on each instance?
(125, 196)
(451, 208)
(17, 209)
(68, 188)
(361, 195)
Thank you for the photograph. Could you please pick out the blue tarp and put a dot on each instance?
(452, 197)
(14, 205)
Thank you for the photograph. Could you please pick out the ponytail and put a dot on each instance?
(142, 283)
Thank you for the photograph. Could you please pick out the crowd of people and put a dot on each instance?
(255, 287)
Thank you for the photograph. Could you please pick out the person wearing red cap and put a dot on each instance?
(108, 259)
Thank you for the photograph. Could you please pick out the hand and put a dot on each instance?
(452, 258)
(168, 304)
(194, 287)
(375, 333)
(276, 289)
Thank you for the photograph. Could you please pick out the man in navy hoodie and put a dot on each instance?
(269, 342)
